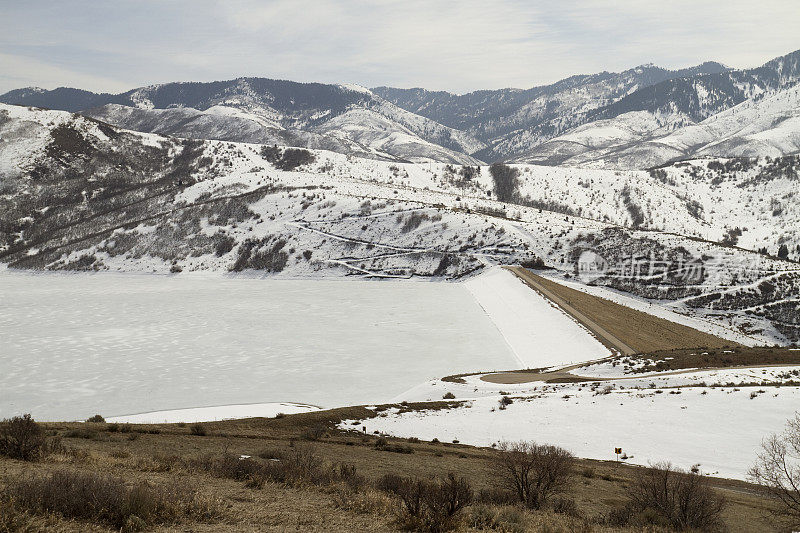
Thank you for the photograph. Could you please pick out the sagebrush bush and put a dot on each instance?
(108, 499)
(300, 466)
(428, 505)
(566, 506)
(15, 520)
(664, 495)
(498, 496)
(503, 519)
(314, 433)
(198, 430)
(22, 438)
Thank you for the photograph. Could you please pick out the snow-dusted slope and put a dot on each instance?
(80, 195)
(765, 126)
(606, 119)
(221, 123)
(539, 333)
(344, 118)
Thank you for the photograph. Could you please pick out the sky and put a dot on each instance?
(459, 46)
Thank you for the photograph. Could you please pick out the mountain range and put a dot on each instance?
(639, 118)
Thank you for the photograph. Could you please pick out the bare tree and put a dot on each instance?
(534, 472)
(684, 499)
(778, 470)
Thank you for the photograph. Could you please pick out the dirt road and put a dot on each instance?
(621, 328)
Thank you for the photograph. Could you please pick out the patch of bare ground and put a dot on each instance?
(740, 356)
(621, 326)
(301, 473)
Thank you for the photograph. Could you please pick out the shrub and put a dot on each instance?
(87, 495)
(497, 496)
(446, 499)
(566, 506)
(366, 502)
(15, 520)
(84, 433)
(390, 483)
(287, 159)
(314, 433)
(235, 467)
(96, 419)
(298, 467)
(22, 438)
(504, 519)
(198, 430)
(662, 494)
(449, 396)
(426, 505)
(534, 472)
(293, 158)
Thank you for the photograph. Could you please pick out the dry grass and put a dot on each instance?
(166, 455)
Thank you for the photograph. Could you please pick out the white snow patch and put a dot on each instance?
(539, 332)
(721, 429)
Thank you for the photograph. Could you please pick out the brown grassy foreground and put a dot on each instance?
(190, 478)
(640, 331)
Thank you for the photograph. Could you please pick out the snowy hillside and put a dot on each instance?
(345, 118)
(765, 126)
(512, 120)
(80, 195)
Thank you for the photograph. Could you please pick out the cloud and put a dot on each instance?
(438, 44)
(19, 71)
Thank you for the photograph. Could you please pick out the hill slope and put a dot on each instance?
(763, 126)
(348, 119)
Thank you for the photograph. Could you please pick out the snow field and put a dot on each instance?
(720, 429)
(539, 333)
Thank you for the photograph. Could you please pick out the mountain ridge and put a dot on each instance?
(418, 125)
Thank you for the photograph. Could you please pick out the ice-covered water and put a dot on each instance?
(77, 344)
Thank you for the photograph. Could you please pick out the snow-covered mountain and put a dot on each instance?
(637, 118)
(768, 125)
(344, 118)
(78, 194)
(649, 100)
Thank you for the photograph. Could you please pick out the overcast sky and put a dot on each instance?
(459, 46)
